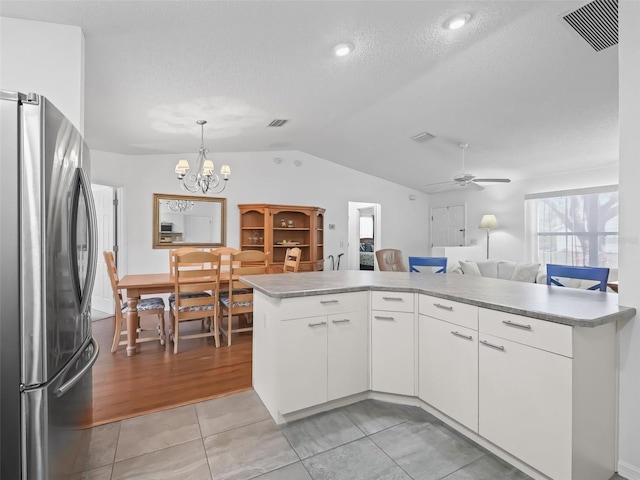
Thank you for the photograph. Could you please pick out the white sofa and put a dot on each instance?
(504, 269)
(526, 272)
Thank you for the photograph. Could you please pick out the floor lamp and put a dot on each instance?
(488, 222)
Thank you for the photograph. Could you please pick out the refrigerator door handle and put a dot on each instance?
(62, 389)
(93, 242)
(82, 187)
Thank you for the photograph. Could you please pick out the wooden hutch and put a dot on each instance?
(274, 228)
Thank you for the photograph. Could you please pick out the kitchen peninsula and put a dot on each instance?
(526, 370)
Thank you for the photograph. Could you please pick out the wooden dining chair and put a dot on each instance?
(600, 275)
(438, 262)
(225, 257)
(238, 301)
(146, 307)
(185, 306)
(292, 260)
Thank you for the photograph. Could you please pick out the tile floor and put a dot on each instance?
(234, 437)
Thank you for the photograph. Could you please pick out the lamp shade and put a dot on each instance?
(182, 166)
(489, 221)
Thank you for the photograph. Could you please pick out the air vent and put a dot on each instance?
(422, 137)
(596, 23)
(277, 123)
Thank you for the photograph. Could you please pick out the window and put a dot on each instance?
(366, 227)
(574, 227)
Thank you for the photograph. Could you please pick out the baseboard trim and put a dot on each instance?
(628, 471)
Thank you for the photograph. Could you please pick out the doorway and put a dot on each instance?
(106, 202)
(365, 227)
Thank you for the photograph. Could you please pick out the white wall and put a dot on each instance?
(44, 58)
(256, 178)
(506, 201)
(629, 274)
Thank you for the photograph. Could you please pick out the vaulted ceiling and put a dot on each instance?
(528, 94)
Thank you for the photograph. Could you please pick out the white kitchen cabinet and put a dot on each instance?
(448, 369)
(525, 403)
(348, 354)
(302, 363)
(546, 391)
(393, 343)
(310, 350)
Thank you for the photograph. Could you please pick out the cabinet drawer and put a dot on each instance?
(549, 336)
(392, 301)
(314, 305)
(449, 311)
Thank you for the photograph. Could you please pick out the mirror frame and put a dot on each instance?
(156, 220)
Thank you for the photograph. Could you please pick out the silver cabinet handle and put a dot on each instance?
(518, 325)
(458, 334)
(318, 324)
(443, 307)
(344, 320)
(497, 347)
(383, 318)
(324, 302)
(393, 299)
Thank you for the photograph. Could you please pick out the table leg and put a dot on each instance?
(132, 325)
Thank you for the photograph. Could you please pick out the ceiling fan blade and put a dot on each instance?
(495, 180)
(440, 187)
(475, 186)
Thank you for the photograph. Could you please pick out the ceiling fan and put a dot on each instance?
(463, 179)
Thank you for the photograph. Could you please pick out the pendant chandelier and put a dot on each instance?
(203, 177)
(180, 205)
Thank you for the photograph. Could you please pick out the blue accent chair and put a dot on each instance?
(428, 262)
(597, 274)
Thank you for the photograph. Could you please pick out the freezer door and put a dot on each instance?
(9, 289)
(54, 421)
(58, 239)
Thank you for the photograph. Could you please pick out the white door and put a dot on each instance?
(102, 295)
(448, 226)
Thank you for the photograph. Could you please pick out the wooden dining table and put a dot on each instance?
(137, 285)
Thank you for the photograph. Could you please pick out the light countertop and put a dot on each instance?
(569, 306)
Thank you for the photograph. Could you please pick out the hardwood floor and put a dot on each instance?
(155, 379)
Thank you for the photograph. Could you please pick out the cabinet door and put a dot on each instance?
(392, 352)
(348, 358)
(448, 369)
(525, 403)
(302, 365)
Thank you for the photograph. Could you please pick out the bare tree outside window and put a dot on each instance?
(578, 229)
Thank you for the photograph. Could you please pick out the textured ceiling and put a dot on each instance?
(529, 96)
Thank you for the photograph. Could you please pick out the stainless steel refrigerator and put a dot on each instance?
(47, 271)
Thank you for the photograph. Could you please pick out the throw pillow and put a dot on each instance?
(469, 268)
(526, 272)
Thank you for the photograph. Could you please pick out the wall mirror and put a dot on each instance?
(188, 221)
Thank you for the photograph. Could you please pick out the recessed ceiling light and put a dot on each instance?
(342, 49)
(458, 21)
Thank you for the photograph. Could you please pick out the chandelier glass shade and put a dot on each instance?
(203, 177)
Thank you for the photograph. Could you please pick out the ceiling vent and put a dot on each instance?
(277, 123)
(596, 22)
(422, 137)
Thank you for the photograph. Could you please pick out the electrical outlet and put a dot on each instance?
(341, 244)
(332, 226)
(473, 241)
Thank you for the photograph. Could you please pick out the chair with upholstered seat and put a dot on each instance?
(238, 301)
(196, 296)
(146, 307)
(556, 274)
(438, 262)
(390, 260)
(291, 260)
